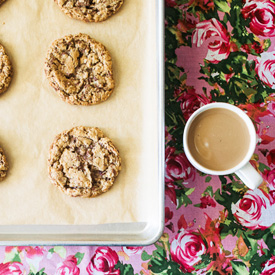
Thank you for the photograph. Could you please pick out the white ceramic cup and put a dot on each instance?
(244, 170)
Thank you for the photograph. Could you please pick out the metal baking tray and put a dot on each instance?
(136, 233)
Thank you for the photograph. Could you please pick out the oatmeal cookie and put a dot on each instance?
(5, 70)
(83, 162)
(80, 70)
(4, 166)
(89, 10)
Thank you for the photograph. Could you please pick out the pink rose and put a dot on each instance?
(265, 68)
(271, 157)
(14, 268)
(207, 201)
(170, 3)
(168, 214)
(217, 37)
(186, 249)
(171, 192)
(34, 252)
(269, 176)
(269, 267)
(190, 101)
(103, 262)
(68, 267)
(262, 16)
(177, 167)
(132, 250)
(256, 210)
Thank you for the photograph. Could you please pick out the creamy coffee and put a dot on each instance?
(218, 139)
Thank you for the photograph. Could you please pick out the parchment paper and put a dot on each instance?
(32, 114)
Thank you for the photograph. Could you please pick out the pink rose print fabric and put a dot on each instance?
(215, 51)
(103, 262)
(262, 16)
(265, 68)
(187, 249)
(255, 210)
(217, 38)
(14, 268)
(68, 267)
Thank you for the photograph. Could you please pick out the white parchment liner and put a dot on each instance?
(32, 114)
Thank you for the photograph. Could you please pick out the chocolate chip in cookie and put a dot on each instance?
(83, 162)
(80, 69)
(89, 10)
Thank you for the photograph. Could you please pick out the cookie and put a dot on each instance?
(5, 70)
(80, 70)
(83, 162)
(89, 10)
(2, 1)
(4, 166)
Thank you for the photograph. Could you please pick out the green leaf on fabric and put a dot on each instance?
(182, 199)
(51, 250)
(12, 256)
(79, 257)
(145, 256)
(61, 251)
(263, 167)
(125, 269)
(209, 189)
(189, 191)
(267, 44)
(41, 272)
(222, 5)
(239, 268)
(208, 179)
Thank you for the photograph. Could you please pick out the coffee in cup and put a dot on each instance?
(219, 139)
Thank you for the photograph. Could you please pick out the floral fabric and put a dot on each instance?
(215, 50)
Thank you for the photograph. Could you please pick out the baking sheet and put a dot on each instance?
(33, 114)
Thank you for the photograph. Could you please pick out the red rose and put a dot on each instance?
(262, 16)
(103, 262)
(190, 101)
(132, 250)
(255, 210)
(207, 201)
(269, 267)
(13, 268)
(171, 192)
(170, 3)
(265, 68)
(177, 166)
(271, 157)
(187, 249)
(269, 176)
(168, 214)
(68, 267)
(213, 32)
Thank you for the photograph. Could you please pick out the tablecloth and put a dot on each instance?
(215, 50)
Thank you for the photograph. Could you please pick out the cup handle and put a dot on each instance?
(250, 177)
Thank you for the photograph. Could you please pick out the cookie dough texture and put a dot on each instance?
(83, 162)
(89, 10)
(4, 166)
(5, 70)
(80, 70)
